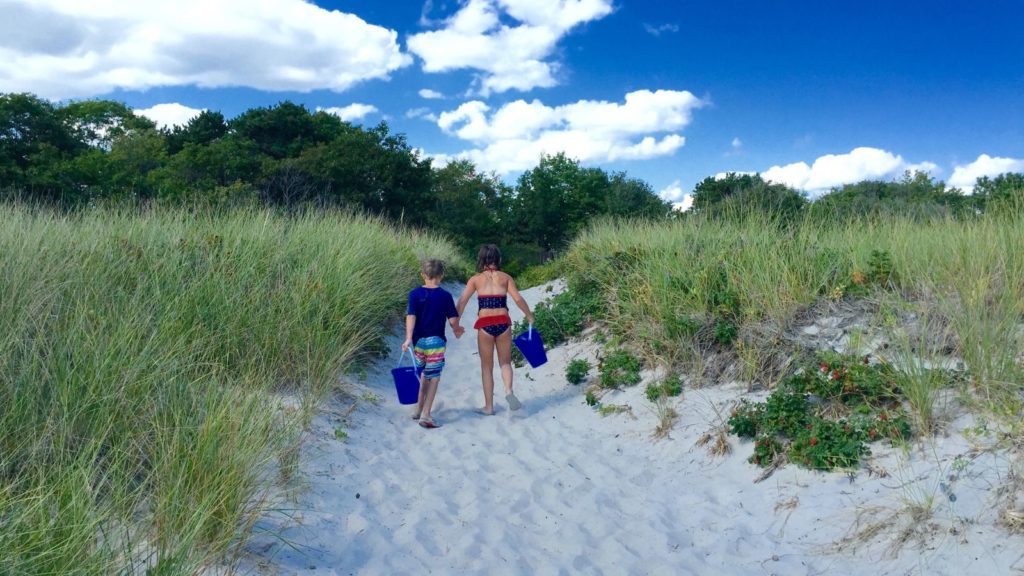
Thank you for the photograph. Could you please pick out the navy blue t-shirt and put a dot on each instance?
(432, 308)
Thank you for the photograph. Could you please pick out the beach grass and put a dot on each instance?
(676, 289)
(144, 355)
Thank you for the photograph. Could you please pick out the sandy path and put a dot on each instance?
(556, 489)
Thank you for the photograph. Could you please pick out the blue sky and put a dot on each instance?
(812, 94)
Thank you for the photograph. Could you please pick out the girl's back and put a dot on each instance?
(491, 283)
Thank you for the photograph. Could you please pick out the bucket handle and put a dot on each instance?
(402, 355)
(529, 335)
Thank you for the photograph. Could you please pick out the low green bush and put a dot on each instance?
(808, 432)
(576, 371)
(620, 368)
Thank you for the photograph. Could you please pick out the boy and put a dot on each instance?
(429, 307)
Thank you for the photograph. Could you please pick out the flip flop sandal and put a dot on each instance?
(426, 423)
(513, 402)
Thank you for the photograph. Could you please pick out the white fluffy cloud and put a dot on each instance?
(510, 57)
(429, 94)
(674, 193)
(838, 169)
(68, 48)
(966, 175)
(351, 112)
(515, 136)
(169, 115)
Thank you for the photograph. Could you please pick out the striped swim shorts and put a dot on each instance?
(429, 353)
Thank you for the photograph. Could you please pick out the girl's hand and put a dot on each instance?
(459, 331)
(406, 344)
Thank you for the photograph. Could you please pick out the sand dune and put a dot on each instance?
(557, 489)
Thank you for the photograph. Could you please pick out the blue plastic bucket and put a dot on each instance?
(532, 347)
(407, 381)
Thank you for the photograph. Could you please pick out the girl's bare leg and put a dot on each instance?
(485, 345)
(504, 345)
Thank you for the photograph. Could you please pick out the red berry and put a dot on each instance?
(814, 441)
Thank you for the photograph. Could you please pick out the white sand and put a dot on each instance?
(557, 489)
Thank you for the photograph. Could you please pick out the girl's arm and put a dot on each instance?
(518, 299)
(470, 288)
(410, 323)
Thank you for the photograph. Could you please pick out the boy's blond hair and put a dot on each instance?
(432, 269)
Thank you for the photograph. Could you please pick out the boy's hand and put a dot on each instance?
(406, 344)
(459, 331)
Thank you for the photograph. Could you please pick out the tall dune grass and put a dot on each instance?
(139, 356)
(664, 281)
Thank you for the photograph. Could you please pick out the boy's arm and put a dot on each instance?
(456, 327)
(410, 323)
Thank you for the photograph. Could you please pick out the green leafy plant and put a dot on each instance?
(766, 450)
(576, 371)
(810, 434)
(620, 368)
(670, 386)
(591, 398)
(825, 445)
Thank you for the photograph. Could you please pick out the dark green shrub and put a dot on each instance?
(654, 391)
(825, 445)
(576, 371)
(881, 268)
(801, 428)
(673, 385)
(670, 386)
(725, 331)
(766, 449)
(620, 368)
(746, 419)
(591, 398)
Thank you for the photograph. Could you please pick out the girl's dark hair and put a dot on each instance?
(432, 269)
(489, 256)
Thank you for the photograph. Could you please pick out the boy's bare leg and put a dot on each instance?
(504, 345)
(419, 402)
(428, 391)
(485, 345)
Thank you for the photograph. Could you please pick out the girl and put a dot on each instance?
(494, 327)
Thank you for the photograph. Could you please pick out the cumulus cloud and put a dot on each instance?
(674, 193)
(837, 169)
(662, 29)
(351, 112)
(424, 113)
(430, 94)
(515, 136)
(966, 175)
(481, 37)
(170, 115)
(61, 49)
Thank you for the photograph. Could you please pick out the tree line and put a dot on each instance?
(285, 155)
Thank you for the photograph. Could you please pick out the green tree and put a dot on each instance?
(284, 130)
(34, 140)
(736, 194)
(1005, 191)
(203, 128)
(99, 123)
(373, 170)
(916, 195)
(468, 206)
